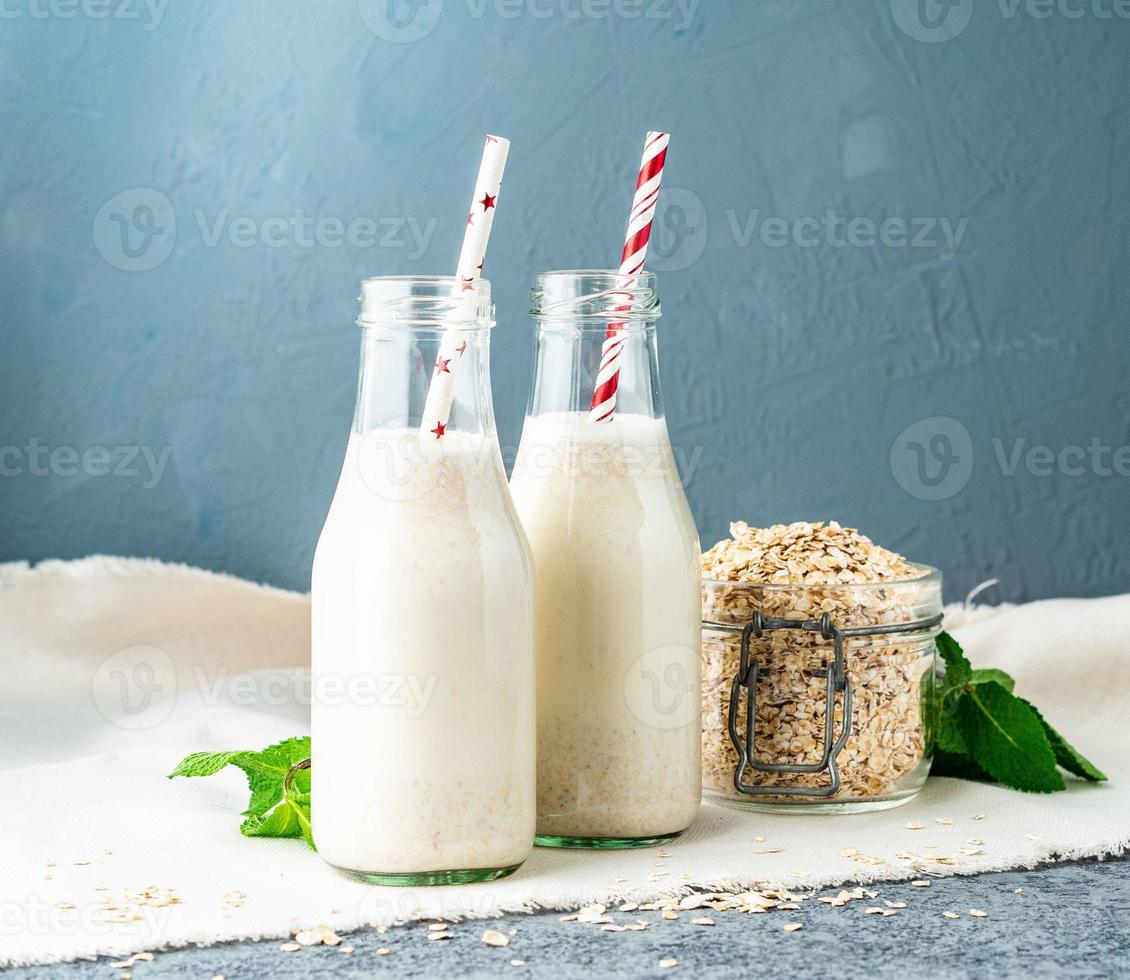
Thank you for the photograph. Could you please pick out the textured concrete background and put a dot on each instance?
(178, 356)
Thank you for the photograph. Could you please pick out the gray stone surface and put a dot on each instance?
(1070, 920)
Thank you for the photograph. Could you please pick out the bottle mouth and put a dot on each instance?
(595, 296)
(425, 301)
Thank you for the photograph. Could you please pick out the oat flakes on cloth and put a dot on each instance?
(114, 669)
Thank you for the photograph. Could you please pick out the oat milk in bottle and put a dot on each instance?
(422, 632)
(617, 569)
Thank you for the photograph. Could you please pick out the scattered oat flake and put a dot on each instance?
(951, 915)
(944, 821)
(347, 949)
(920, 883)
(517, 962)
(290, 947)
(979, 913)
(793, 926)
(668, 914)
(492, 937)
(628, 907)
(1017, 891)
(915, 825)
(440, 935)
(703, 920)
(978, 816)
(873, 910)
(308, 937)
(668, 963)
(896, 905)
(437, 927)
(383, 951)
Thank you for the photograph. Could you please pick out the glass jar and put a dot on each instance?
(616, 553)
(867, 649)
(422, 613)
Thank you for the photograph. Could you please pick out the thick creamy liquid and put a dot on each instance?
(618, 626)
(422, 648)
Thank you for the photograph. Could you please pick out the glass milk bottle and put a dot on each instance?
(617, 560)
(422, 622)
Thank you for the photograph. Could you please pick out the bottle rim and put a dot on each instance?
(595, 296)
(425, 301)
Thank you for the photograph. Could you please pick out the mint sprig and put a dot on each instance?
(280, 788)
(986, 732)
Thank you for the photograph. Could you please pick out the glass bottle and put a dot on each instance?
(422, 613)
(617, 559)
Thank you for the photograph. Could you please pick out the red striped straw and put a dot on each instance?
(631, 262)
(480, 219)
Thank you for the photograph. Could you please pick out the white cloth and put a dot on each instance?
(209, 662)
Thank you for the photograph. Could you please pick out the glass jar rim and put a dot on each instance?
(595, 296)
(930, 576)
(425, 301)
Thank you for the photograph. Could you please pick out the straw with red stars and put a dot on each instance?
(631, 262)
(441, 391)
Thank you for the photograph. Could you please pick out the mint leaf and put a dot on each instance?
(278, 807)
(949, 738)
(958, 668)
(957, 765)
(983, 676)
(1006, 738)
(1067, 756)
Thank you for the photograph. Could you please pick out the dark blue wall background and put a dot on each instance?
(893, 257)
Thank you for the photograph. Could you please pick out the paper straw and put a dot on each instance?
(631, 262)
(480, 218)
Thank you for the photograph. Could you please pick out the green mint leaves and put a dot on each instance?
(986, 732)
(280, 791)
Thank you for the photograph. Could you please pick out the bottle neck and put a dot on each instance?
(399, 364)
(568, 361)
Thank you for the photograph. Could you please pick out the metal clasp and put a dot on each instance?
(837, 683)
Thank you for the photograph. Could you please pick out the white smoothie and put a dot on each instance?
(422, 648)
(618, 626)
